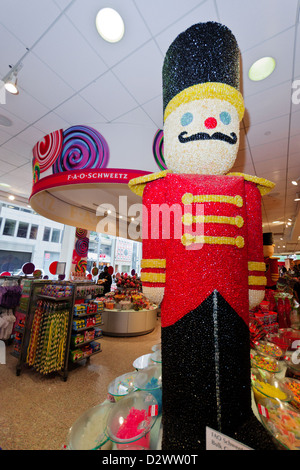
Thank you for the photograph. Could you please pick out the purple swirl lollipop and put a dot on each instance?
(83, 148)
(82, 246)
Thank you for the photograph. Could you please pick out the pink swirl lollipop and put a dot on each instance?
(82, 246)
(83, 148)
(46, 151)
(158, 149)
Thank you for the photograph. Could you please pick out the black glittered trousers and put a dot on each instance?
(206, 379)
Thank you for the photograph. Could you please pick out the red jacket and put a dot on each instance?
(213, 239)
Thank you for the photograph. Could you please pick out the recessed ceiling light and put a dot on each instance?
(110, 25)
(295, 183)
(11, 197)
(261, 69)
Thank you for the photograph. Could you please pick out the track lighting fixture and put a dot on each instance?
(11, 84)
(11, 79)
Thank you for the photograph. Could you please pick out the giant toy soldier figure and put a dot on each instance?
(207, 278)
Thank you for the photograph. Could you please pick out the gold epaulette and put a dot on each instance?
(264, 186)
(137, 184)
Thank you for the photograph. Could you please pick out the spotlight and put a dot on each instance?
(11, 84)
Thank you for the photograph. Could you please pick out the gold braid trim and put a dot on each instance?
(153, 263)
(153, 277)
(189, 198)
(187, 239)
(256, 266)
(264, 186)
(206, 90)
(137, 185)
(189, 219)
(257, 280)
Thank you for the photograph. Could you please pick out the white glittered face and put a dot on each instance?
(201, 137)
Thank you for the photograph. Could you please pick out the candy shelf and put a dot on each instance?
(86, 322)
(55, 313)
(47, 328)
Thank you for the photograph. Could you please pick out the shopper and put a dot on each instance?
(104, 275)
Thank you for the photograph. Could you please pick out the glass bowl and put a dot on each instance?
(156, 347)
(131, 420)
(267, 363)
(267, 348)
(150, 380)
(278, 340)
(293, 385)
(292, 361)
(283, 422)
(88, 431)
(121, 386)
(156, 356)
(143, 361)
(266, 385)
(292, 336)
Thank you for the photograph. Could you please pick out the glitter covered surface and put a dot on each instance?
(206, 379)
(210, 234)
(193, 148)
(214, 263)
(205, 52)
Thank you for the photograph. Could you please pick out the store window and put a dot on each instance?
(9, 227)
(13, 261)
(33, 232)
(22, 230)
(46, 236)
(55, 235)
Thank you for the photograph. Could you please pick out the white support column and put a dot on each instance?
(67, 248)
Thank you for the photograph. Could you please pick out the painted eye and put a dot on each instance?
(186, 119)
(225, 118)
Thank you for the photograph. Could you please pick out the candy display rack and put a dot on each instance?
(61, 325)
(86, 322)
(47, 328)
(21, 313)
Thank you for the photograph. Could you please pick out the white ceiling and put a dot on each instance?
(71, 76)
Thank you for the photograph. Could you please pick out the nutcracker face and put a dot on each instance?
(202, 137)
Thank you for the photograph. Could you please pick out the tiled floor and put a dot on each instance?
(36, 412)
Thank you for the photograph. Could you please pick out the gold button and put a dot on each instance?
(240, 242)
(239, 221)
(238, 201)
(187, 198)
(187, 239)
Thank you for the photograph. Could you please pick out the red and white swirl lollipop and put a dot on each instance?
(48, 149)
